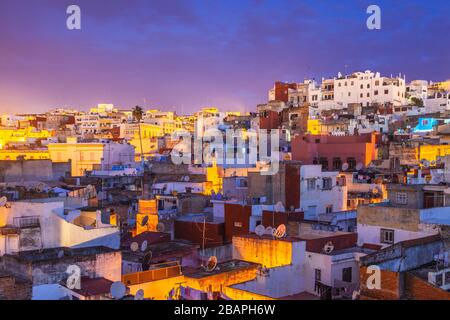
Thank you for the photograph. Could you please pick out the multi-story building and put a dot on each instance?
(87, 156)
(367, 88)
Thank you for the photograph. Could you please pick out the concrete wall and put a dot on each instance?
(268, 252)
(32, 170)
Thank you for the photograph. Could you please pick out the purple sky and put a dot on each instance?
(183, 55)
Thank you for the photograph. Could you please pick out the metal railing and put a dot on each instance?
(27, 222)
(158, 272)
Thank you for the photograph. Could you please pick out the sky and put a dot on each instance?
(182, 55)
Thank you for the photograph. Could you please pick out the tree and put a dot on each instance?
(417, 102)
(137, 116)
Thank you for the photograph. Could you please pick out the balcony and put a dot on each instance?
(156, 272)
(27, 222)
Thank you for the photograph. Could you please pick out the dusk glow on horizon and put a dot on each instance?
(183, 55)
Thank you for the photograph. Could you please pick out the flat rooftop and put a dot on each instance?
(59, 253)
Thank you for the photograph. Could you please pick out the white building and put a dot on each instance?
(438, 102)
(368, 88)
(320, 191)
(46, 223)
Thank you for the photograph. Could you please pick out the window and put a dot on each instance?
(337, 163)
(327, 183)
(317, 274)
(368, 94)
(387, 236)
(368, 86)
(311, 184)
(241, 183)
(329, 208)
(347, 274)
(401, 198)
(324, 163)
(375, 92)
(386, 91)
(351, 163)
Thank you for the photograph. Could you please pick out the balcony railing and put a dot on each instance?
(158, 272)
(27, 222)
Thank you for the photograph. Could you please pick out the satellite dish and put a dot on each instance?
(328, 247)
(260, 230)
(160, 227)
(359, 166)
(144, 246)
(147, 258)
(139, 295)
(3, 201)
(375, 190)
(345, 166)
(60, 254)
(118, 290)
(279, 207)
(134, 246)
(433, 163)
(186, 178)
(144, 221)
(280, 232)
(269, 230)
(211, 264)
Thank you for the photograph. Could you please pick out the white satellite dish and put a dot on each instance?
(160, 227)
(359, 166)
(260, 230)
(328, 247)
(3, 201)
(144, 246)
(279, 207)
(139, 295)
(134, 246)
(280, 232)
(269, 231)
(118, 290)
(186, 178)
(211, 264)
(60, 254)
(345, 166)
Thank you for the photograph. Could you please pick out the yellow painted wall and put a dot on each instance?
(218, 282)
(313, 126)
(157, 290)
(431, 152)
(268, 252)
(27, 154)
(83, 155)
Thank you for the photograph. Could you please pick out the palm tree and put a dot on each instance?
(137, 116)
